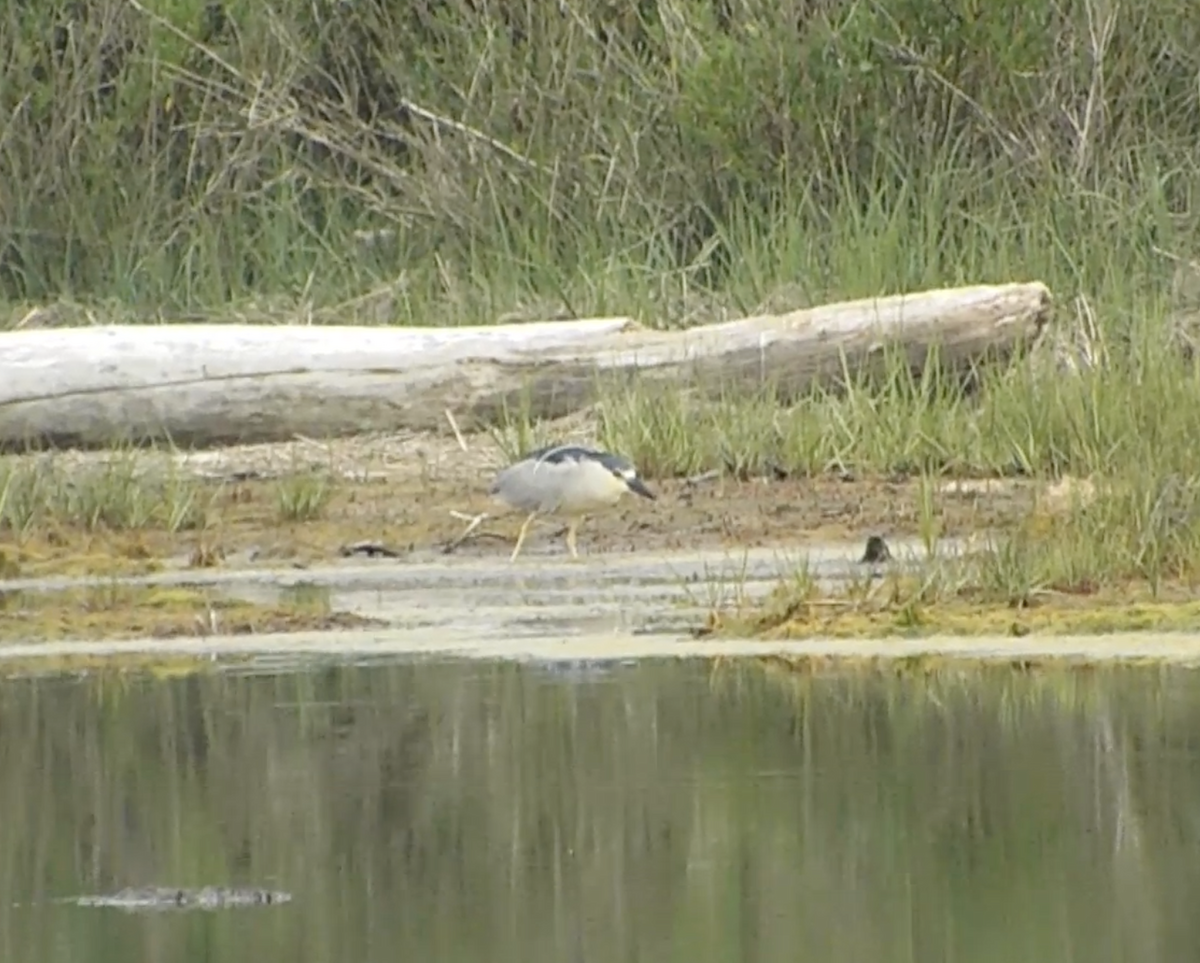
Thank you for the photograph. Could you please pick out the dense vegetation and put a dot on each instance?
(461, 158)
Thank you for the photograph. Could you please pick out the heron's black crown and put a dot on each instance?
(563, 454)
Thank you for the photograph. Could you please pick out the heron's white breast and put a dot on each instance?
(584, 485)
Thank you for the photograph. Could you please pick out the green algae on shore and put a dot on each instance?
(119, 611)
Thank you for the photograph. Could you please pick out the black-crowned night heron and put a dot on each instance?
(566, 480)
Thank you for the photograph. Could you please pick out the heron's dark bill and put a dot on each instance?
(638, 487)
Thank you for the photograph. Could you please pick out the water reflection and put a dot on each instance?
(651, 812)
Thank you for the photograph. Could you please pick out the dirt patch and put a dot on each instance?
(122, 611)
(401, 493)
(407, 517)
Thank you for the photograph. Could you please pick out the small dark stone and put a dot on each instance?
(876, 551)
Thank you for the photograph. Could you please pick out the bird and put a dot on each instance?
(567, 480)
(876, 551)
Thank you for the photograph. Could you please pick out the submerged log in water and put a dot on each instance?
(157, 898)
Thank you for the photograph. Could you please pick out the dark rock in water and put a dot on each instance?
(151, 898)
(876, 552)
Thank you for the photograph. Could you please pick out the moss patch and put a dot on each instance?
(1049, 614)
(122, 612)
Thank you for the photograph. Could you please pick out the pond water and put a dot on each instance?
(657, 811)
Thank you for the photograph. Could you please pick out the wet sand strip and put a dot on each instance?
(296, 649)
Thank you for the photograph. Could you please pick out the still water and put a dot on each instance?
(658, 812)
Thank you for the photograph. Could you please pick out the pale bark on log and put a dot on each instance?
(209, 384)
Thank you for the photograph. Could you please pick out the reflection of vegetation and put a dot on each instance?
(489, 813)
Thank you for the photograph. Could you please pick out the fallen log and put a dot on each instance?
(211, 384)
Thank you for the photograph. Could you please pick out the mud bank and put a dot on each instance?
(313, 520)
(486, 597)
(549, 608)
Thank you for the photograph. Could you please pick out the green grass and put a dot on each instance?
(1126, 557)
(457, 163)
(960, 597)
(302, 496)
(133, 490)
(123, 493)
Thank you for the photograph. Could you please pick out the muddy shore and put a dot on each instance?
(408, 495)
(375, 556)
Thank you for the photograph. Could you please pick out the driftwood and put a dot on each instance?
(208, 384)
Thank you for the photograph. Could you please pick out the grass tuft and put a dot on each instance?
(122, 494)
(304, 496)
(1121, 558)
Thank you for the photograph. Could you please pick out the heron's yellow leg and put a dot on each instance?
(521, 536)
(572, 532)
